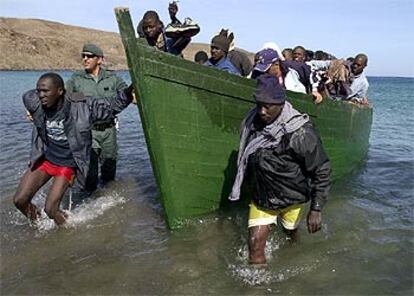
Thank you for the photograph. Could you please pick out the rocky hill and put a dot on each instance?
(33, 44)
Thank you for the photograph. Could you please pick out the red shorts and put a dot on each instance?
(56, 170)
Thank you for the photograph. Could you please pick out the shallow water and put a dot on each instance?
(118, 243)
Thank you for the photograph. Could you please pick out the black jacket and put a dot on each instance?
(81, 113)
(296, 171)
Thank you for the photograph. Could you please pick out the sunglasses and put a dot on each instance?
(88, 56)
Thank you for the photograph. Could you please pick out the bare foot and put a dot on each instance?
(60, 217)
(33, 213)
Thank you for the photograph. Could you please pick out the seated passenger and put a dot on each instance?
(293, 75)
(219, 49)
(200, 57)
(320, 55)
(155, 35)
(359, 85)
(309, 55)
(287, 54)
(299, 54)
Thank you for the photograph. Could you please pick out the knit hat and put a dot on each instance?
(221, 42)
(269, 90)
(264, 59)
(92, 49)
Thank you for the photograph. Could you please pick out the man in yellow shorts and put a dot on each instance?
(282, 155)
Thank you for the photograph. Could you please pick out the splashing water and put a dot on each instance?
(93, 209)
(253, 275)
(87, 211)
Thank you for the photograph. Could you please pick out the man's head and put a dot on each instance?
(299, 54)
(267, 61)
(92, 58)
(200, 57)
(288, 54)
(219, 47)
(152, 25)
(172, 8)
(270, 98)
(320, 55)
(50, 89)
(359, 63)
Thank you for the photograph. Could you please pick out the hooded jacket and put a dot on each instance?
(80, 114)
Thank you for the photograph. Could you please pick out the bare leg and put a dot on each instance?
(30, 183)
(292, 234)
(257, 243)
(53, 199)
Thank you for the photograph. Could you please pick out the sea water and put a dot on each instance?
(118, 243)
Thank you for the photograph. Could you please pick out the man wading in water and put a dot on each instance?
(281, 153)
(61, 141)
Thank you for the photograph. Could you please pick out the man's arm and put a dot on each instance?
(120, 83)
(106, 108)
(317, 166)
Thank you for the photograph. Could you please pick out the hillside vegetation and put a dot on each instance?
(33, 44)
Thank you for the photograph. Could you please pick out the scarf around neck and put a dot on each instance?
(287, 122)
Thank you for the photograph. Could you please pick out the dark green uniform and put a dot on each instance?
(104, 145)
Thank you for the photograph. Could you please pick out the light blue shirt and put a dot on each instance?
(224, 64)
(359, 88)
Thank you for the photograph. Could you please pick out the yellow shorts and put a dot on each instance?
(290, 216)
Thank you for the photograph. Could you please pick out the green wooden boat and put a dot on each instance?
(191, 116)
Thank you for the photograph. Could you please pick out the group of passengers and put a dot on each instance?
(317, 73)
(74, 123)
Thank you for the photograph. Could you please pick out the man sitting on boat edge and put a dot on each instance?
(282, 156)
(172, 39)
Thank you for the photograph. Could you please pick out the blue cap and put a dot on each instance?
(269, 90)
(264, 59)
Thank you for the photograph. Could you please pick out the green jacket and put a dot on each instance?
(106, 86)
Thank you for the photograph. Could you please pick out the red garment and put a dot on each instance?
(55, 170)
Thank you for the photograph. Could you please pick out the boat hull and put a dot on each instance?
(191, 117)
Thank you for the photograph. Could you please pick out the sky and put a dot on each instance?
(383, 29)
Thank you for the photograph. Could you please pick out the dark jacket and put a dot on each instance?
(106, 86)
(296, 171)
(241, 61)
(81, 113)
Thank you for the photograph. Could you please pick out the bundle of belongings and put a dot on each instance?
(186, 29)
(338, 79)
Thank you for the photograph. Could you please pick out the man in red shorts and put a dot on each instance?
(61, 141)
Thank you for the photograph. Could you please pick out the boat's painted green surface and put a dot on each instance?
(191, 116)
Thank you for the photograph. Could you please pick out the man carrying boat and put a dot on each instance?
(61, 141)
(282, 155)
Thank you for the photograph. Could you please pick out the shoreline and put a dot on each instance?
(126, 69)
